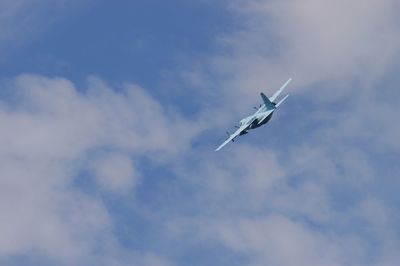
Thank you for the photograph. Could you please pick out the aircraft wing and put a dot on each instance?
(232, 136)
(273, 98)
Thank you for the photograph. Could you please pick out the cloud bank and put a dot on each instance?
(52, 136)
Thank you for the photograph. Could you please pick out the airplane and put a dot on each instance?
(259, 118)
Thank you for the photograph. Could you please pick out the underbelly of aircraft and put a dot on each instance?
(255, 123)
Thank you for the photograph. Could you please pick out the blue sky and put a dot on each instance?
(110, 114)
(127, 40)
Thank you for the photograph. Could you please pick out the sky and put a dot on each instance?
(110, 112)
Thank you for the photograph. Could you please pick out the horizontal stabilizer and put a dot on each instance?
(281, 101)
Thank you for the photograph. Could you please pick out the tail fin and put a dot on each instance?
(268, 104)
(273, 98)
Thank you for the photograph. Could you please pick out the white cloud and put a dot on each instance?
(115, 172)
(290, 212)
(51, 132)
(226, 176)
(274, 205)
(41, 214)
(312, 200)
(329, 48)
(277, 240)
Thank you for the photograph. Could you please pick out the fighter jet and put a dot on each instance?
(259, 118)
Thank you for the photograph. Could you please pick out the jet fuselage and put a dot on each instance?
(259, 118)
(255, 123)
